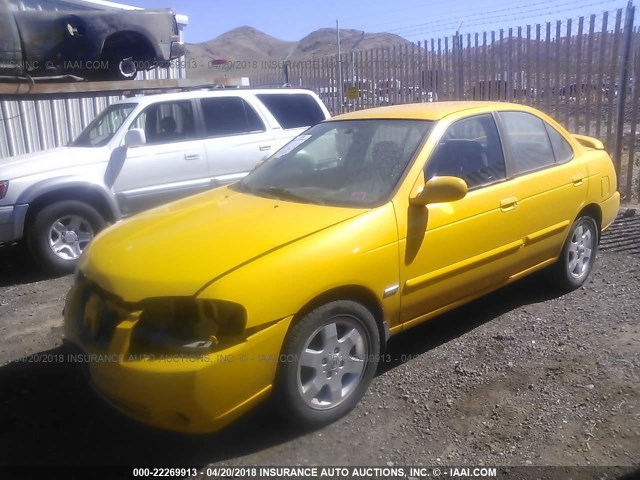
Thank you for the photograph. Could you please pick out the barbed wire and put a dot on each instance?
(563, 24)
(484, 15)
(478, 23)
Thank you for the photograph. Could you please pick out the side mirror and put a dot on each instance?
(135, 138)
(440, 189)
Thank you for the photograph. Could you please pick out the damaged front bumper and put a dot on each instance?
(196, 393)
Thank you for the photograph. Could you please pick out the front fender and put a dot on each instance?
(76, 187)
(362, 252)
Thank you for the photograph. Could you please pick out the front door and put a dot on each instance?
(172, 164)
(455, 250)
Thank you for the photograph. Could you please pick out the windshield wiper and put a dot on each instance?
(283, 193)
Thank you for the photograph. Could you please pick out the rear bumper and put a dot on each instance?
(12, 220)
(610, 209)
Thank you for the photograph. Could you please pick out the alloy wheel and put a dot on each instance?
(581, 248)
(332, 363)
(69, 236)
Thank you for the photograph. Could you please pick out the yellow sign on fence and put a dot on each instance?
(353, 93)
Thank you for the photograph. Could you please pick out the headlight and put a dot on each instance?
(4, 186)
(186, 325)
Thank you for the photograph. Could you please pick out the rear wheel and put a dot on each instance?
(578, 254)
(60, 232)
(127, 54)
(329, 359)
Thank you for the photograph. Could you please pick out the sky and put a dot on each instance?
(412, 19)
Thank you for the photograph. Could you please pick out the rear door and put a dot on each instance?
(551, 184)
(171, 165)
(236, 137)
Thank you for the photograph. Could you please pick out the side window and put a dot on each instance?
(469, 149)
(530, 145)
(168, 122)
(561, 148)
(229, 116)
(293, 110)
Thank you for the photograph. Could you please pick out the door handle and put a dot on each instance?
(577, 179)
(508, 203)
(191, 156)
(264, 148)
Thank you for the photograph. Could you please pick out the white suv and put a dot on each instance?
(139, 153)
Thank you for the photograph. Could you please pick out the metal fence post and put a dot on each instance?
(457, 67)
(623, 86)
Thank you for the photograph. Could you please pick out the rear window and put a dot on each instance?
(293, 110)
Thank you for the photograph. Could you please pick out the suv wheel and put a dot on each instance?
(60, 232)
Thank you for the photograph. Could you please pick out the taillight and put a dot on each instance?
(4, 186)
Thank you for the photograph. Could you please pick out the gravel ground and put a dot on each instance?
(524, 376)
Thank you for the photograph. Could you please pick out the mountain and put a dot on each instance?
(323, 42)
(242, 44)
(246, 47)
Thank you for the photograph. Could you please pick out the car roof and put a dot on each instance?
(426, 111)
(207, 93)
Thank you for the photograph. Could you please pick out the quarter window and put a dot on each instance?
(529, 141)
(561, 148)
(293, 110)
(229, 116)
(469, 149)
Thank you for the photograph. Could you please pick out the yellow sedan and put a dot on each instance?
(291, 281)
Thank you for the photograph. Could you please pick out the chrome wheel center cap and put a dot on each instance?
(70, 237)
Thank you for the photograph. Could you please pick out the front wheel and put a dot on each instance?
(60, 232)
(578, 254)
(328, 361)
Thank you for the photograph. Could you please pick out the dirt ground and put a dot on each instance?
(525, 376)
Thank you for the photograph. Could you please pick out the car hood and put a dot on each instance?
(177, 249)
(51, 160)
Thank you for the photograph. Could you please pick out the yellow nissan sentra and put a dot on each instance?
(291, 281)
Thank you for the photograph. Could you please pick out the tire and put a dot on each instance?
(328, 361)
(60, 232)
(578, 254)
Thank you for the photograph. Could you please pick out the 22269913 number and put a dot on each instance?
(164, 472)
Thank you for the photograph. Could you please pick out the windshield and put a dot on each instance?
(99, 132)
(340, 163)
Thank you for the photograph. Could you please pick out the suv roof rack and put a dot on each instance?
(217, 86)
(46, 90)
